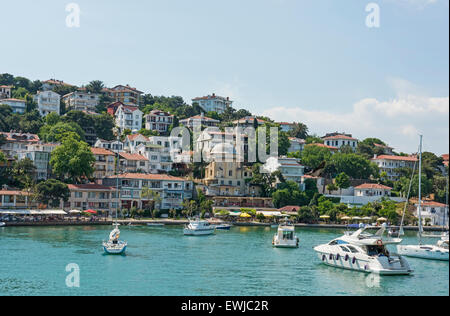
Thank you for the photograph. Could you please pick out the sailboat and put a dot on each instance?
(114, 246)
(432, 252)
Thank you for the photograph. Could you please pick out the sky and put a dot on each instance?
(310, 61)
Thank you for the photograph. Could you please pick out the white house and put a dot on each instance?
(389, 164)
(129, 117)
(286, 127)
(114, 145)
(159, 121)
(200, 120)
(213, 103)
(339, 140)
(290, 168)
(81, 101)
(17, 105)
(373, 189)
(436, 213)
(48, 102)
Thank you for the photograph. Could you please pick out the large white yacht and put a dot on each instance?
(365, 252)
(199, 227)
(286, 237)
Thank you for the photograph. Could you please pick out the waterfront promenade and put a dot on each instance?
(175, 222)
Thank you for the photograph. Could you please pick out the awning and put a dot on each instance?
(270, 214)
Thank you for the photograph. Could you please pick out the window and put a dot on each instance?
(352, 249)
(344, 249)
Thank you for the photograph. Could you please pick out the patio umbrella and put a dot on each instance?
(346, 218)
(325, 217)
(357, 218)
(367, 218)
(74, 212)
(382, 219)
(90, 212)
(245, 215)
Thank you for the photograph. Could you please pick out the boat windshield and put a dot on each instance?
(377, 251)
(288, 235)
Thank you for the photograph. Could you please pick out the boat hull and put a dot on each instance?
(114, 249)
(276, 243)
(356, 263)
(206, 232)
(424, 252)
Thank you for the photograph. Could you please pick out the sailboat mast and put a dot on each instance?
(420, 189)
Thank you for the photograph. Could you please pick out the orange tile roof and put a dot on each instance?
(101, 151)
(323, 145)
(436, 204)
(134, 136)
(373, 186)
(339, 137)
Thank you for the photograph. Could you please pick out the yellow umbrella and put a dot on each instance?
(245, 215)
(346, 218)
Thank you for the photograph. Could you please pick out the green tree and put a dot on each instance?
(95, 86)
(313, 156)
(299, 130)
(354, 165)
(51, 192)
(153, 196)
(73, 159)
(55, 133)
(342, 181)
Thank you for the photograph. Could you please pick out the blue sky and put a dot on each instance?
(313, 61)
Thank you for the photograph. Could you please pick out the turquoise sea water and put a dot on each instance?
(161, 261)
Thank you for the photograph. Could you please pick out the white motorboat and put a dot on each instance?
(114, 246)
(2, 224)
(286, 237)
(223, 227)
(365, 252)
(431, 252)
(199, 227)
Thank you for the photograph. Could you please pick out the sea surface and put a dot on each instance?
(161, 261)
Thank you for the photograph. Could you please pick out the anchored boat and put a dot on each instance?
(286, 237)
(199, 227)
(365, 252)
(114, 246)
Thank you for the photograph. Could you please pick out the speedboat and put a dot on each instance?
(285, 237)
(114, 246)
(223, 227)
(199, 227)
(365, 252)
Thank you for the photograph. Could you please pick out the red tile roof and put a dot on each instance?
(143, 176)
(435, 204)
(101, 151)
(372, 186)
(134, 136)
(290, 209)
(324, 146)
(133, 157)
(91, 186)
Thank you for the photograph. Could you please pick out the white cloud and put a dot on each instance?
(418, 4)
(397, 121)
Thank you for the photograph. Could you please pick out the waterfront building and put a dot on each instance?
(390, 164)
(297, 145)
(434, 213)
(18, 106)
(339, 140)
(81, 101)
(213, 103)
(223, 178)
(172, 190)
(133, 163)
(113, 145)
(15, 199)
(201, 120)
(5, 92)
(128, 117)
(158, 121)
(104, 163)
(48, 102)
(127, 95)
(40, 154)
(92, 196)
(373, 189)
